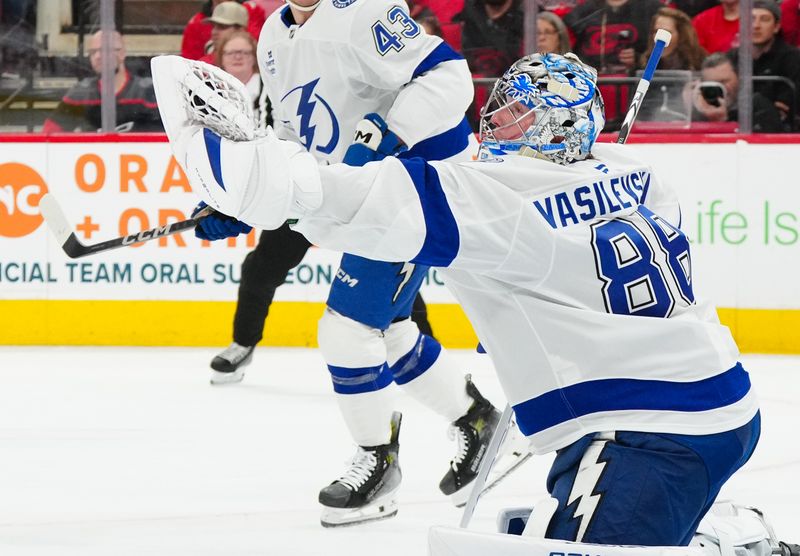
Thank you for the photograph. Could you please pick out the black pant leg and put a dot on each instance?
(419, 314)
(263, 270)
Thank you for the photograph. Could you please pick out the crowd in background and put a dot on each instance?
(615, 36)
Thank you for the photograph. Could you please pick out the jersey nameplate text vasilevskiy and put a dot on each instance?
(588, 201)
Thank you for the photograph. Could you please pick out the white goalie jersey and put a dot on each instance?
(576, 278)
(354, 57)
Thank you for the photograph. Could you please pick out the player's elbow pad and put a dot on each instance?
(263, 182)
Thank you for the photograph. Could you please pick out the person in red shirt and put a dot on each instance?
(718, 27)
(197, 33)
(790, 21)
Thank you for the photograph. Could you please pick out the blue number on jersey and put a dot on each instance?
(410, 27)
(644, 264)
(385, 39)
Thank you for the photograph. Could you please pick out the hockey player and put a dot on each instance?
(326, 64)
(569, 260)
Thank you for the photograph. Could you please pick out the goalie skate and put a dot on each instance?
(367, 491)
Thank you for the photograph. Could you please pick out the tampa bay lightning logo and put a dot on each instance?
(342, 3)
(314, 120)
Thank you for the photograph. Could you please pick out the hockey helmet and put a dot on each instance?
(545, 105)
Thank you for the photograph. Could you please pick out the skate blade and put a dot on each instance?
(346, 517)
(235, 377)
(513, 452)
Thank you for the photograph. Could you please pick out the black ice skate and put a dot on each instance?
(366, 491)
(473, 431)
(228, 366)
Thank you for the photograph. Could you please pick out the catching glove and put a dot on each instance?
(217, 225)
(373, 141)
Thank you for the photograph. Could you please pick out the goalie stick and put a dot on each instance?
(72, 246)
(661, 39)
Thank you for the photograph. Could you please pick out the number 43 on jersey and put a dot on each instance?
(391, 37)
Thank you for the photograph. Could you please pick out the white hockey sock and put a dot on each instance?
(356, 357)
(441, 387)
(368, 416)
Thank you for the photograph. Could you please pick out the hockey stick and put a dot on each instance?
(662, 39)
(72, 246)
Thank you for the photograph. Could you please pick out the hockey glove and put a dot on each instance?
(217, 225)
(373, 141)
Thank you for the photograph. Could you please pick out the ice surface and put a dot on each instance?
(129, 451)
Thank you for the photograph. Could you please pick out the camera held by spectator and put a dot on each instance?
(714, 98)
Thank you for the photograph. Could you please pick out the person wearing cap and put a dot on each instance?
(197, 39)
(772, 56)
(226, 18)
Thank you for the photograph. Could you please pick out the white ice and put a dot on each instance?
(129, 451)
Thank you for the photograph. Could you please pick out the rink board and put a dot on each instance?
(740, 202)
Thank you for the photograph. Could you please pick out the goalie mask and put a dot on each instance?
(545, 105)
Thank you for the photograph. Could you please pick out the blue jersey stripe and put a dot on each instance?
(348, 380)
(441, 53)
(213, 149)
(441, 231)
(446, 144)
(625, 394)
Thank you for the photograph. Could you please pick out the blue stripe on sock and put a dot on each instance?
(414, 363)
(348, 380)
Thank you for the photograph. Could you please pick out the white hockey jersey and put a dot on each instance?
(576, 278)
(353, 57)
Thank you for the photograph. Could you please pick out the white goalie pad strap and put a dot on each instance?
(449, 541)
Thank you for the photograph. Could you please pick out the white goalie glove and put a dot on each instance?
(208, 116)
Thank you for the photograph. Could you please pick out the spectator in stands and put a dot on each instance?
(197, 41)
(692, 7)
(492, 35)
(684, 51)
(718, 27)
(611, 34)
(790, 21)
(665, 101)
(426, 19)
(80, 110)
(236, 54)
(773, 57)
(551, 34)
(714, 98)
(18, 50)
(226, 18)
(559, 7)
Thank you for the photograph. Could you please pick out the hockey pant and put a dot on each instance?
(264, 269)
(638, 488)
